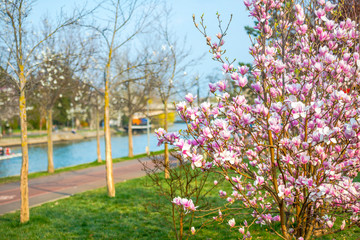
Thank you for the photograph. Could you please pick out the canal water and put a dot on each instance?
(72, 153)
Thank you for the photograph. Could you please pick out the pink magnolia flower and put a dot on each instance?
(177, 201)
(181, 106)
(184, 147)
(259, 181)
(225, 134)
(190, 98)
(284, 192)
(160, 132)
(222, 193)
(205, 107)
(303, 29)
(329, 6)
(197, 160)
(257, 87)
(242, 81)
(321, 14)
(329, 223)
(221, 85)
(212, 87)
(342, 227)
(231, 222)
(330, 25)
(243, 70)
(187, 204)
(235, 76)
(247, 119)
(247, 3)
(276, 218)
(207, 133)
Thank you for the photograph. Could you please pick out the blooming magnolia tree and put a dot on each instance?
(292, 156)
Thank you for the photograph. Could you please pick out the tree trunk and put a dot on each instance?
(130, 137)
(24, 189)
(108, 157)
(40, 122)
(166, 154)
(91, 120)
(50, 142)
(98, 135)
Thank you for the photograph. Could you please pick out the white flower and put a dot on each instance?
(231, 222)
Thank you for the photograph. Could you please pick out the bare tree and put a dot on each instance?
(126, 19)
(14, 35)
(8, 99)
(98, 107)
(56, 80)
(93, 100)
(171, 73)
(131, 91)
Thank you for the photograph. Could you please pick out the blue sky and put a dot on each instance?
(236, 42)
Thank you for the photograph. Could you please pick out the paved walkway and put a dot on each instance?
(50, 188)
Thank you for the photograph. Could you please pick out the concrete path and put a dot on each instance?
(50, 188)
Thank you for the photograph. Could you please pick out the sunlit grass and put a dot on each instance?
(137, 212)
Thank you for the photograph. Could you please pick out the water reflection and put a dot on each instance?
(78, 152)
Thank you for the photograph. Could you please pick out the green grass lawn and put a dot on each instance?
(92, 215)
(137, 212)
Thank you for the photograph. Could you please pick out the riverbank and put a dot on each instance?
(57, 137)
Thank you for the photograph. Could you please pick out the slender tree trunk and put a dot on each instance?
(91, 121)
(98, 135)
(108, 157)
(24, 189)
(166, 154)
(40, 122)
(50, 142)
(130, 137)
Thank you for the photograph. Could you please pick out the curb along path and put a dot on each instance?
(65, 184)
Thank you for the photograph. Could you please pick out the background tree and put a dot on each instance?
(125, 19)
(8, 100)
(171, 71)
(93, 101)
(15, 36)
(56, 80)
(131, 90)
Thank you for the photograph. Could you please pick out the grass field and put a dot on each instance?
(137, 212)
